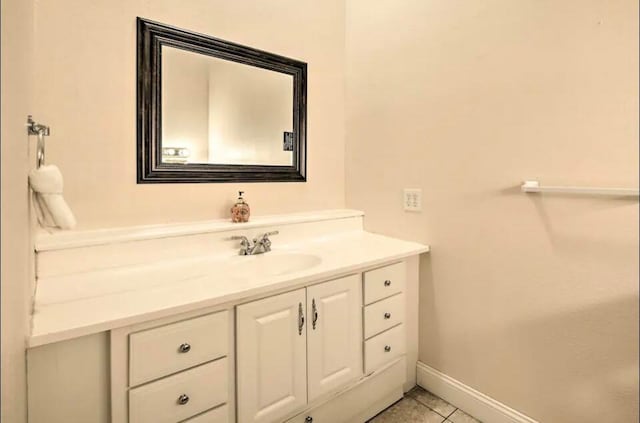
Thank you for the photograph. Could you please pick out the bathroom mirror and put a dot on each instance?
(214, 111)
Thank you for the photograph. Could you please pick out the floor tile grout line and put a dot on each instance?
(425, 405)
(429, 408)
(410, 394)
(438, 413)
(451, 414)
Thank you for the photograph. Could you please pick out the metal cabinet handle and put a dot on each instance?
(300, 319)
(387, 283)
(314, 311)
(184, 348)
(387, 348)
(387, 315)
(183, 399)
(309, 419)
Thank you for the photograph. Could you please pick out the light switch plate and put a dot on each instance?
(412, 199)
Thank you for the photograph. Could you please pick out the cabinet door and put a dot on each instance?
(271, 357)
(334, 334)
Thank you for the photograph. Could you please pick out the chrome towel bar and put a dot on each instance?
(534, 186)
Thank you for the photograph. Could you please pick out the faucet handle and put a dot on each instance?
(243, 239)
(265, 236)
(245, 244)
(262, 241)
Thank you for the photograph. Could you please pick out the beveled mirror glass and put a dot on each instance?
(214, 111)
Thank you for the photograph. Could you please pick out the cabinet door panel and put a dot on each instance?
(271, 358)
(334, 342)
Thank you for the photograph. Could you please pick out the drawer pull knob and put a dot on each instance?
(309, 419)
(387, 283)
(387, 315)
(387, 348)
(184, 348)
(183, 399)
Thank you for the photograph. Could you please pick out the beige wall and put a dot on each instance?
(532, 300)
(17, 39)
(86, 85)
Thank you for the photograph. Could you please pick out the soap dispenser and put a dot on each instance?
(240, 211)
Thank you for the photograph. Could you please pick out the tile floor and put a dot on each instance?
(420, 406)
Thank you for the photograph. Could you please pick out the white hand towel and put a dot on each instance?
(44, 217)
(47, 183)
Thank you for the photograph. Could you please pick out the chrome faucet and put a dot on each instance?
(245, 245)
(261, 244)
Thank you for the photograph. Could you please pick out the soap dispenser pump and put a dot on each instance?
(240, 211)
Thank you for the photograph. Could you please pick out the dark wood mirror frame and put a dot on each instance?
(151, 37)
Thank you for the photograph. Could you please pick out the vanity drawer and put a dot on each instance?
(218, 415)
(383, 315)
(201, 388)
(383, 282)
(383, 348)
(168, 349)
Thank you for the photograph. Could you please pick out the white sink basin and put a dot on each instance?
(271, 264)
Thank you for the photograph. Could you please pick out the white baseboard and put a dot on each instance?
(466, 398)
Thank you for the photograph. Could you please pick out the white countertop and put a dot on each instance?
(93, 302)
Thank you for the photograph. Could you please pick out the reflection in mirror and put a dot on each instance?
(217, 111)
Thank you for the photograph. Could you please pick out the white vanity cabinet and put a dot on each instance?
(271, 357)
(164, 350)
(334, 335)
(174, 371)
(139, 325)
(336, 351)
(384, 315)
(294, 347)
(381, 304)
